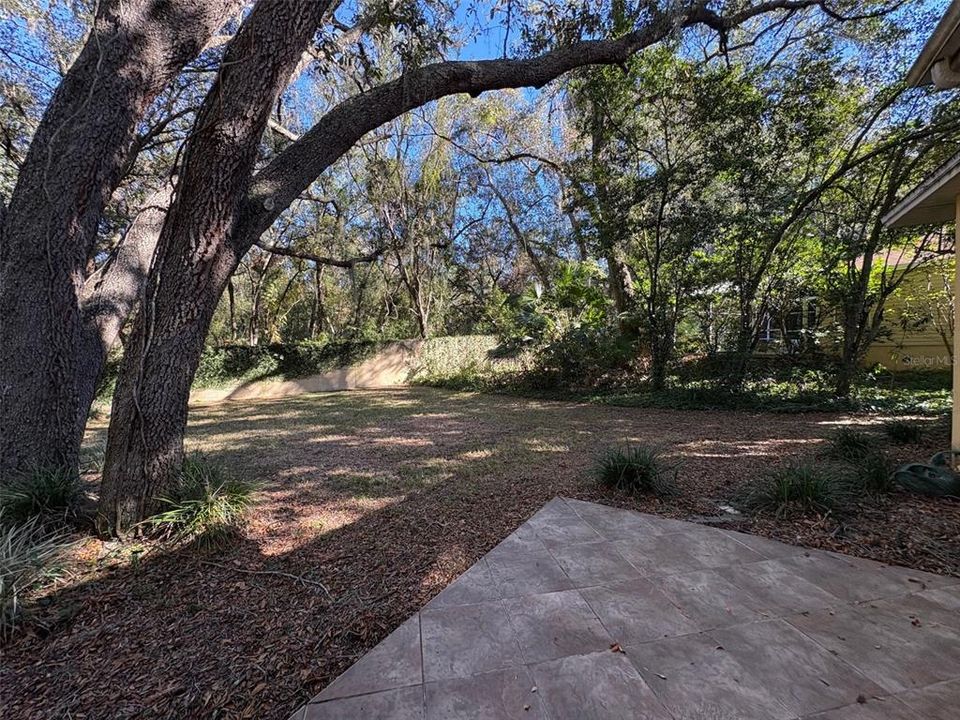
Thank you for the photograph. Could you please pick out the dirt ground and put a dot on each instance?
(383, 497)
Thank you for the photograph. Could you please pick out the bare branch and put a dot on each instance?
(322, 259)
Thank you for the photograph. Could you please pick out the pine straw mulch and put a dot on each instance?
(383, 498)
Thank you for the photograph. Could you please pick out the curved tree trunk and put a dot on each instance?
(195, 260)
(48, 359)
(145, 438)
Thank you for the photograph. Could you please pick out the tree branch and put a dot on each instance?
(276, 186)
(322, 259)
(109, 294)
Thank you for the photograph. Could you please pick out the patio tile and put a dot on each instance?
(523, 539)
(770, 549)
(467, 639)
(934, 702)
(613, 523)
(850, 579)
(668, 525)
(715, 625)
(887, 708)
(918, 579)
(694, 677)
(656, 555)
(393, 663)
(636, 611)
(500, 695)
(896, 657)
(714, 549)
(552, 625)
(708, 599)
(774, 588)
(601, 686)
(556, 526)
(400, 704)
(930, 606)
(529, 573)
(799, 673)
(474, 586)
(594, 564)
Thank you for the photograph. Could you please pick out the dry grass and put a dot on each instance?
(383, 497)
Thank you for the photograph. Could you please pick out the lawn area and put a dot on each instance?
(370, 503)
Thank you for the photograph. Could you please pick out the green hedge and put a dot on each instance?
(462, 361)
(229, 363)
(245, 363)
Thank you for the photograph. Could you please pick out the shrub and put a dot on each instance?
(904, 432)
(872, 475)
(637, 469)
(47, 492)
(582, 357)
(801, 486)
(207, 508)
(29, 554)
(850, 444)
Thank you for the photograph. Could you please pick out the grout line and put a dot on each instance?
(423, 668)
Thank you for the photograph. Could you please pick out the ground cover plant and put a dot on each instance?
(803, 486)
(637, 469)
(904, 432)
(30, 553)
(49, 493)
(208, 508)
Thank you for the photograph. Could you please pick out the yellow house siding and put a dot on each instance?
(914, 349)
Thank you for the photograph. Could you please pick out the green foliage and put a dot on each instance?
(872, 474)
(904, 432)
(640, 469)
(450, 360)
(245, 362)
(801, 486)
(29, 555)
(43, 492)
(207, 508)
(850, 444)
(575, 299)
(581, 357)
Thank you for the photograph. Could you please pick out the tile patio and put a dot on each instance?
(589, 612)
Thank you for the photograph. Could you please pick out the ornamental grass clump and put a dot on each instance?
(30, 554)
(850, 444)
(803, 487)
(208, 508)
(47, 493)
(639, 469)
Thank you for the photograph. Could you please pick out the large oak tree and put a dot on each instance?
(58, 318)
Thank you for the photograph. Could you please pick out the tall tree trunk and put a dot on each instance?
(145, 437)
(661, 353)
(318, 311)
(195, 260)
(47, 354)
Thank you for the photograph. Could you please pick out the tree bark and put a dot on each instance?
(195, 260)
(49, 229)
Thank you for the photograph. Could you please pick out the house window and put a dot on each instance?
(766, 328)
